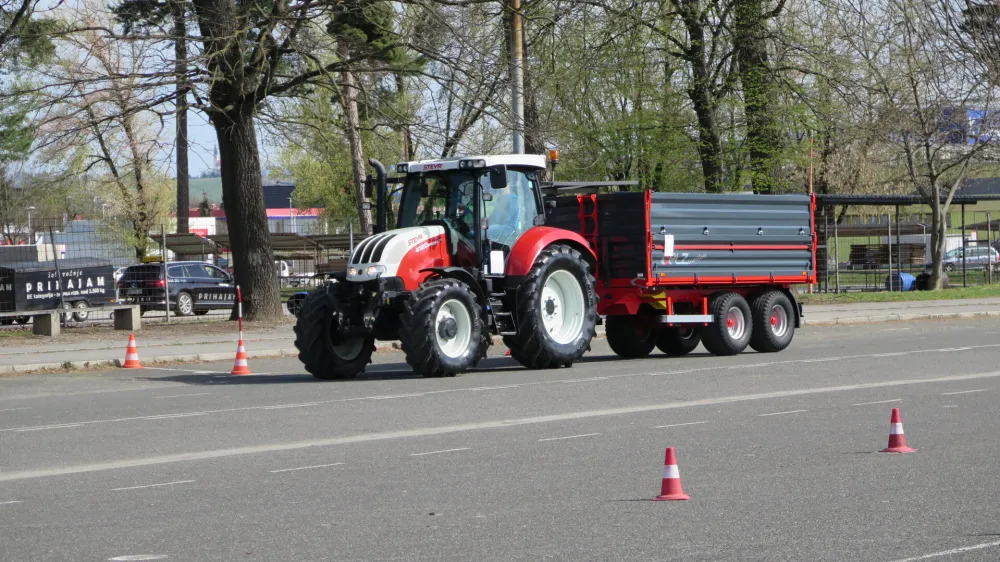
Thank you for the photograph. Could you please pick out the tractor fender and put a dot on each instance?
(536, 239)
(459, 274)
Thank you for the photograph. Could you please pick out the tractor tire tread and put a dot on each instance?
(416, 329)
(312, 339)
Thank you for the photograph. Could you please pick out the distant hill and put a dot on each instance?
(209, 186)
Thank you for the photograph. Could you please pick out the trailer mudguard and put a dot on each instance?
(537, 238)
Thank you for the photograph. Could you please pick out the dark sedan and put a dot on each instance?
(194, 287)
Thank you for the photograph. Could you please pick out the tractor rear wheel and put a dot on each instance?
(678, 340)
(729, 332)
(773, 322)
(556, 310)
(441, 329)
(628, 338)
(327, 354)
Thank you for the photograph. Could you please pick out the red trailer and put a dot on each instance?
(481, 248)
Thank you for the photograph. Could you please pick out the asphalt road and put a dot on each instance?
(778, 454)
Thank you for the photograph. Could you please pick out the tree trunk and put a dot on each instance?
(763, 138)
(354, 137)
(246, 216)
(938, 241)
(709, 143)
(181, 145)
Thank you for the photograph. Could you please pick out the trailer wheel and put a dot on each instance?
(628, 338)
(678, 340)
(774, 322)
(22, 320)
(81, 315)
(729, 333)
(556, 310)
(325, 353)
(441, 329)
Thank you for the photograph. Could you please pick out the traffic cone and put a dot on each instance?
(897, 440)
(131, 355)
(240, 367)
(671, 487)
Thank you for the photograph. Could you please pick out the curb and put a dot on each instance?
(882, 318)
(394, 346)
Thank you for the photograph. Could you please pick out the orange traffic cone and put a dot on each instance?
(240, 367)
(671, 487)
(897, 439)
(131, 355)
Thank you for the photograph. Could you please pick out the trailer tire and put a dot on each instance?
(678, 341)
(22, 320)
(773, 322)
(558, 273)
(628, 338)
(729, 333)
(81, 315)
(441, 329)
(326, 356)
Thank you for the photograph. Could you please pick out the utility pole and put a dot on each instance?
(181, 142)
(517, 75)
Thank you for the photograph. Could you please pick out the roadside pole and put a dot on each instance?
(166, 277)
(239, 309)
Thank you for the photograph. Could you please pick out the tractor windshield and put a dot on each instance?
(445, 196)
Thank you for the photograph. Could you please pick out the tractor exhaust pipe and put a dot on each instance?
(381, 217)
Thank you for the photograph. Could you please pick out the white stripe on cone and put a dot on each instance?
(896, 429)
(670, 472)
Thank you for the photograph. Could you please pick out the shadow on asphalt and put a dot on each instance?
(374, 373)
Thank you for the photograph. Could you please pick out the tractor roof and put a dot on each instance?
(526, 160)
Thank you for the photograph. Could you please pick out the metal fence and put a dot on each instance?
(891, 252)
(81, 265)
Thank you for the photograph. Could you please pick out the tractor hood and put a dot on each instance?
(402, 252)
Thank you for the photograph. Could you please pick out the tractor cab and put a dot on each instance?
(484, 204)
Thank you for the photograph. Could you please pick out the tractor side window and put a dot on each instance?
(512, 210)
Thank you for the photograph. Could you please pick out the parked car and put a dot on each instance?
(976, 257)
(195, 287)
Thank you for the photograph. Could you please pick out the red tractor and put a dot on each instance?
(482, 248)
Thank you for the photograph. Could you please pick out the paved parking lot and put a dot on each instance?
(776, 451)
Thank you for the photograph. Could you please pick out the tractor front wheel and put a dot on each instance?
(556, 310)
(441, 330)
(325, 352)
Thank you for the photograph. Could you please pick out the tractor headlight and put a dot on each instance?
(402, 168)
(471, 164)
(374, 270)
(352, 272)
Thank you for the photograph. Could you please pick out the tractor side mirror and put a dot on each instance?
(498, 177)
(369, 183)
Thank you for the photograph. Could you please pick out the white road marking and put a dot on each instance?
(153, 485)
(171, 416)
(569, 437)
(437, 452)
(782, 413)
(15, 409)
(950, 406)
(473, 426)
(952, 551)
(677, 424)
(43, 427)
(518, 385)
(308, 467)
(878, 402)
(182, 395)
(137, 557)
(10, 502)
(963, 392)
